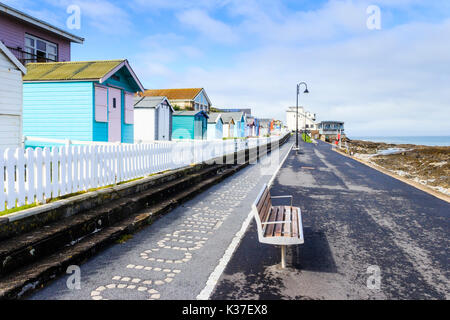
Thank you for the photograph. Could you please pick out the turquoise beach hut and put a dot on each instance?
(86, 101)
(189, 125)
(215, 126)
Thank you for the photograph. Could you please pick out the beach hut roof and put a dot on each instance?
(12, 58)
(214, 117)
(190, 113)
(237, 116)
(174, 94)
(150, 102)
(227, 118)
(78, 71)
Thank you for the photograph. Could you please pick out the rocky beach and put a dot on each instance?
(427, 165)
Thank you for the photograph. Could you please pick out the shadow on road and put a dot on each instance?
(314, 255)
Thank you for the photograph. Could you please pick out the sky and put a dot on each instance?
(388, 81)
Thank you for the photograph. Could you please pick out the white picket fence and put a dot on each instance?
(37, 175)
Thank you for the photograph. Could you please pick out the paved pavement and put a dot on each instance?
(173, 257)
(356, 221)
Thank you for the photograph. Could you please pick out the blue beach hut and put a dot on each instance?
(86, 101)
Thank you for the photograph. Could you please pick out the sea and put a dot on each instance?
(417, 140)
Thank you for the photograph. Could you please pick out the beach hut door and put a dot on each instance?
(163, 122)
(197, 129)
(114, 115)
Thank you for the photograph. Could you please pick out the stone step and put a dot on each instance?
(26, 248)
(25, 280)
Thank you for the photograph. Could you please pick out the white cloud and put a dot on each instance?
(178, 4)
(213, 29)
(391, 82)
(103, 15)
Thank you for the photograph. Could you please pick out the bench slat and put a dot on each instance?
(264, 205)
(295, 223)
(263, 199)
(265, 211)
(272, 218)
(287, 226)
(280, 217)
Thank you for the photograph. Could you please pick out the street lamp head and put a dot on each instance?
(306, 91)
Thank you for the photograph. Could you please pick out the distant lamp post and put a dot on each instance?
(296, 116)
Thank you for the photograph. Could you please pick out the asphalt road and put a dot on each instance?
(174, 257)
(356, 221)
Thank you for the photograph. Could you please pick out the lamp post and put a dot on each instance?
(296, 116)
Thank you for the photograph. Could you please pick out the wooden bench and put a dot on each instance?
(278, 225)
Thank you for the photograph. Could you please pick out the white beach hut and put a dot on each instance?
(152, 119)
(11, 99)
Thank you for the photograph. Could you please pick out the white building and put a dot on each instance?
(304, 118)
(152, 119)
(11, 99)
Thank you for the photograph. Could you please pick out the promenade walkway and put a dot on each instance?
(174, 257)
(360, 226)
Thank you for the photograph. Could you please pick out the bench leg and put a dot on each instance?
(283, 257)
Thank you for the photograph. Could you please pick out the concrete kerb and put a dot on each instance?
(395, 176)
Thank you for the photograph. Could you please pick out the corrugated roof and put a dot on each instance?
(189, 113)
(147, 102)
(86, 70)
(237, 116)
(213, 116)
(174, 94)
(226, 117)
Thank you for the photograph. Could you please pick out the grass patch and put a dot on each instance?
(306, 138)
(70, 195)
(13, 210)
(124, 238)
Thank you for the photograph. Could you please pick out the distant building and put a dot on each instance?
(305, 118)
(329, 130)
(246, 111)
(193, 99)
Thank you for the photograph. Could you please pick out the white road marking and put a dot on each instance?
(223, 262)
